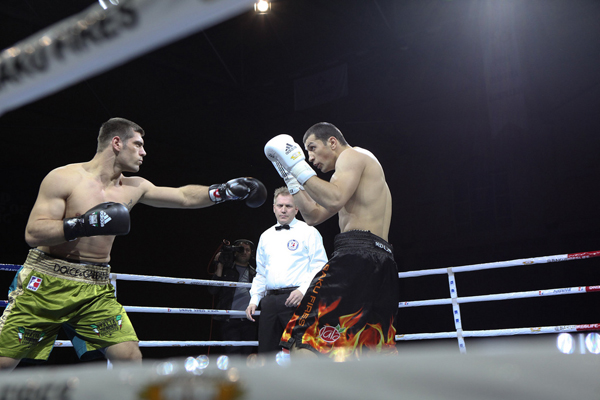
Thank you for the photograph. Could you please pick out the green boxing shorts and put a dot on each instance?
(49, 293)
(351, 304)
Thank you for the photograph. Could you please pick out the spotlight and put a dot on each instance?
(262, 6)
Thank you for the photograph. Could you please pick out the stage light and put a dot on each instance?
(262, 6)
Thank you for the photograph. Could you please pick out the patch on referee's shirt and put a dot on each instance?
(34, 283)
(293, 245)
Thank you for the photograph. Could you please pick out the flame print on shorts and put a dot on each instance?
(339, 343)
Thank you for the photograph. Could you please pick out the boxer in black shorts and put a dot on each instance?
(356, 294)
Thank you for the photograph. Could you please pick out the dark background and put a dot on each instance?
(466, 188)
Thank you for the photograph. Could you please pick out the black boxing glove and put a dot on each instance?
(104, 219)
(250, 189)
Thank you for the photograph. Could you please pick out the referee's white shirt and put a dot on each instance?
(287, 258)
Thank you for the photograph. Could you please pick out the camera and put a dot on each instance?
(228, 251)
(231, 249)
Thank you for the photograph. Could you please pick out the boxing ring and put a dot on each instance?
(78, 48)
(591, 342)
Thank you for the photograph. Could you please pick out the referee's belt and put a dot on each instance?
(282, 290)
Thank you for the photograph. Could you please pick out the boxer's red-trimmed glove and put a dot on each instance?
(288, 153)
(250, 189)
(102, 220)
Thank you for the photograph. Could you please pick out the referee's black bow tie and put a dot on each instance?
(280, 227)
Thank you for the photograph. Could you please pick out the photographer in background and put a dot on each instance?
(233, 264)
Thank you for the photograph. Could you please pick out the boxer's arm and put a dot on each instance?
(312, 213)
(321, 199)
(198, 196)
(190, 196)
(45, 224)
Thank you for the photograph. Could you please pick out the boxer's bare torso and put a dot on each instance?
(370, 207)
(357, 191)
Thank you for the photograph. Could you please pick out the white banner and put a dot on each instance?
(96, 40)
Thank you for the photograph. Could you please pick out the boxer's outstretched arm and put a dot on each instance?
(198, 196)
(190, 196)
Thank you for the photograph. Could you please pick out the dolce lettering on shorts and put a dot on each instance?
(83, 273)
(383, 247)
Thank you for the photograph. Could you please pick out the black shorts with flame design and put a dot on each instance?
(350, 306)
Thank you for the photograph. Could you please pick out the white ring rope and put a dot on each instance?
(177, 281)
(454, 300)
(460, 334)
(165, 310)
(173, 343)
(502, 264)
(501, 332)
(503, 296)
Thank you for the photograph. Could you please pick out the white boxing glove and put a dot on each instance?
(283, 149)
(292, 183)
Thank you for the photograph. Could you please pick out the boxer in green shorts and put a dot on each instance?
(64, 281)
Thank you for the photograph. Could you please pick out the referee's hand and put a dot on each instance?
(250, 311)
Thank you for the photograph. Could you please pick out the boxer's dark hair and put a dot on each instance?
(323, 131)
(120, 127)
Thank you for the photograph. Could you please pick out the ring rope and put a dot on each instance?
(503, 296)
(460, 334)
(455, 300)
(165, 310)
(178, 281)
(151, 278)
(174, 343)
(501, 332)
(502, 264)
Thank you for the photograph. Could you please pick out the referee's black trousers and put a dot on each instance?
(274, 316)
